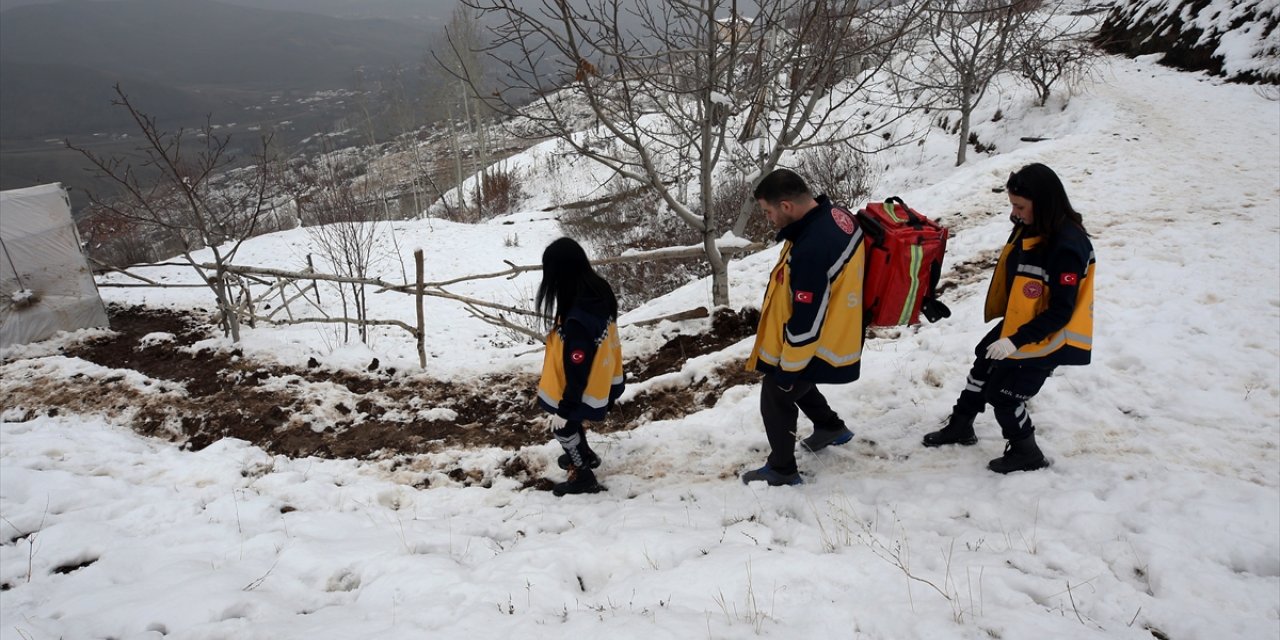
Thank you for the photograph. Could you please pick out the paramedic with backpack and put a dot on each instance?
(810, 329)
(1042, 290)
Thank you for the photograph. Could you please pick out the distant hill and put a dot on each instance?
(425, 11)
(187, 55)
(65, 100)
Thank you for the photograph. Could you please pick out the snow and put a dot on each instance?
(1244, 30)
(1162, 510)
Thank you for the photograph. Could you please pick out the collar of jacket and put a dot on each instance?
(792, 231)
(590, 313)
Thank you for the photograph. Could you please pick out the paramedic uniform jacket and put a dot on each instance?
(582, 366)
(1044, 292)
(811, 318)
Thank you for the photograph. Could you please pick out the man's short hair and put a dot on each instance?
(782, 184)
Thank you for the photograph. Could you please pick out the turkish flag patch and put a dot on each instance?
(1069, 279)
(804, 296)
(578, 356)
(843, 220)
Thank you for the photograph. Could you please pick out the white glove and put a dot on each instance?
(555, 422)
(1000, 349)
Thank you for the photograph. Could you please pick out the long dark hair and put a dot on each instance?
(1051, 209)
(567, 276)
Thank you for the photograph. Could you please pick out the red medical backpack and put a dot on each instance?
(904, 263)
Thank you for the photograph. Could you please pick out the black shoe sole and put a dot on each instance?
(560, 490)
(1046, 463)
(964, 443)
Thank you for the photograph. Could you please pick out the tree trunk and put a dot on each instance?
(966, 110)
(230, 318)
(719, 270)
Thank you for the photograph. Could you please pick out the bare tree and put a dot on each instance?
(680, 96)
(363, 98)
(1065, 55)
(970, 42)
(169, 188)
(464, 107)
(342, 218)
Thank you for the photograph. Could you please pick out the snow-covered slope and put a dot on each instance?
(1160, 514)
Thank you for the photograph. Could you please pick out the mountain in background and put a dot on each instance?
(424, 11)
(192, 56)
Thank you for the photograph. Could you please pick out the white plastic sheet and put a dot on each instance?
(45, 282)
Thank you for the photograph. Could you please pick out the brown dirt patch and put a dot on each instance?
(292, 411)
(727, 327)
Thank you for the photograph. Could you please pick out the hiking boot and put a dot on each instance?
(959, 430)
(774, 478)
(1019, 455)
(580, 481)
(822, 438)
(592, 460)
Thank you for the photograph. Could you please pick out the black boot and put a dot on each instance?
(1019, 455)
(580, 481)
(959, 430)
(588, 456)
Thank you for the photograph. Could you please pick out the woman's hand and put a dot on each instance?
(1000, 349)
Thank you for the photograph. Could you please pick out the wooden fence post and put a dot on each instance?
(311, 268)
(422, 330)
(284, 300)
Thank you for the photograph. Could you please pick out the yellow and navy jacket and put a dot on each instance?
(1044, 293)
(811, 318)
(582, 366)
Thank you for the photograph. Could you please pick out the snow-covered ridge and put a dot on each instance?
(1234, 38)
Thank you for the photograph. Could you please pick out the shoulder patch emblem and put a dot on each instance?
(804, 296)
(578, 356)
(1033, 290)
(1069, 279)
(842, 219)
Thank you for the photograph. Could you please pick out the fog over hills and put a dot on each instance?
(201, 42)
(185, 52)
(250, 65)
(427, 11)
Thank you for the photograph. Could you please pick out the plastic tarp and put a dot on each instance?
(45, 282)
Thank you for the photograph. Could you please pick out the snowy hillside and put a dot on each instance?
(1233, 38)
(1160, 517)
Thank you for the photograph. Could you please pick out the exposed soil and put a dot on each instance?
(379, 413)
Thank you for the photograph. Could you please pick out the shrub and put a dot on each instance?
(842, 173)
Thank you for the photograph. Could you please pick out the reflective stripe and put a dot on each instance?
(769, 358)
(569, 442)
(594, 402)
(917, 256)
(1031, 269)
(888, 209)
(830, 356)
(570, 445)
(832, 272)
(618, 380)
(1079, 337)
(795, 365)
(1058, 340)
(542, 395)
